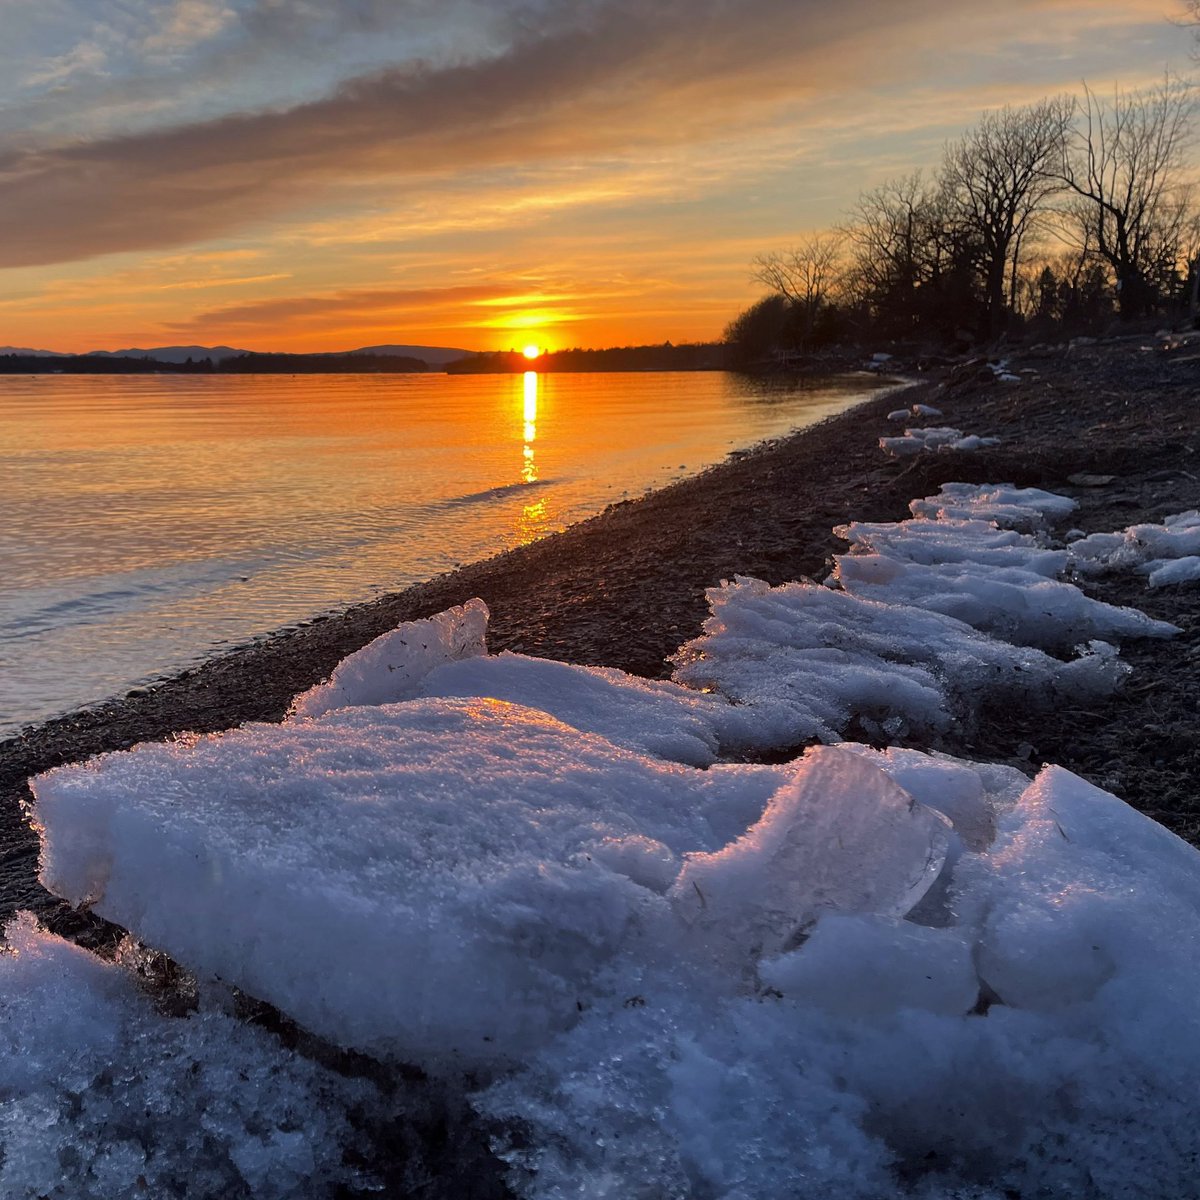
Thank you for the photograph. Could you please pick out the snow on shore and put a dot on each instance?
(856, 973)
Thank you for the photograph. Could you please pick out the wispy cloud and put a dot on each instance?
(85, 58)
(220, 281)
(346, 306)
(622, 79)
(185, 24)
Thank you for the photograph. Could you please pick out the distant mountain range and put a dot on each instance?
(435, 356)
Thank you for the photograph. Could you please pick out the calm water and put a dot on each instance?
(151, 521)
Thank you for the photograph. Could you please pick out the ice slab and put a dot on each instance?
(842, 836)
(1164, 571)
(938, 437)
(1009, 506)
(971, 795)
(1014, 603)
(801, 661)
(103, 1097)
(1140, 546)
(391, 667)
(948, 541)
(651, 716)
(411, 880)
(1083, 890)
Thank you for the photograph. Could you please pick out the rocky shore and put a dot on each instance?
(1113, 425)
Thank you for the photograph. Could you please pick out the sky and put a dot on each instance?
(310, 175)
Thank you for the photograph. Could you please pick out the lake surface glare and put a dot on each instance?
(153, 521)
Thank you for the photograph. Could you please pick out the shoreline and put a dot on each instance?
(451, 506)
(626, 588)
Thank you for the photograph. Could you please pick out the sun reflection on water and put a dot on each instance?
(529, 467)
(534, 520)
(533, 523)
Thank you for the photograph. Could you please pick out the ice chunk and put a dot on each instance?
(1146, 547)
(1163, 571)
(971, 795)
(652, 716)
(801, 661)
(865, 966)
(934, 542)
(392, 666)
(412, 880)
(1010, 602)
(1017, 508)
(901, 447)
(103, 1097)
(1083, 891)
(937, 437)
(841, 836)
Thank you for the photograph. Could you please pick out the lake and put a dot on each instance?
(152, 521)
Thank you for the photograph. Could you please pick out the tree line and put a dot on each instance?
(242, 364)
(689, 356)
(1044, 220)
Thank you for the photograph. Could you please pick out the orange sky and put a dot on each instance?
(279, 174)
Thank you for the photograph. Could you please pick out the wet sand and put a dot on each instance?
(626, 588)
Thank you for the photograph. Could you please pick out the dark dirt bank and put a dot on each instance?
(626, 588)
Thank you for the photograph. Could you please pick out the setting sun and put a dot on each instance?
(532, 351)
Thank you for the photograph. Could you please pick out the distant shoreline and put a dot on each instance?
(688, 357)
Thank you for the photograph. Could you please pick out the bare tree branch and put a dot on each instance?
(1124, 162)
(997, 179)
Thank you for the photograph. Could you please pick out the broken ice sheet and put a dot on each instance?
(801, 661)
(1009, 602)
(411, 880)
(842, 836)
(1080, 892)
(1007, 505)
(930, 542)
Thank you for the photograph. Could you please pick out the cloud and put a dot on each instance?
(348, 305)
(186, 23)
(616, 79)
(85, 58)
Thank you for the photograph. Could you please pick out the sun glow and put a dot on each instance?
(531, 351)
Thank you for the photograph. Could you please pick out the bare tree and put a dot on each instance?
(1124, 163)
(997, 179)
(908, 258)
(806, 275)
